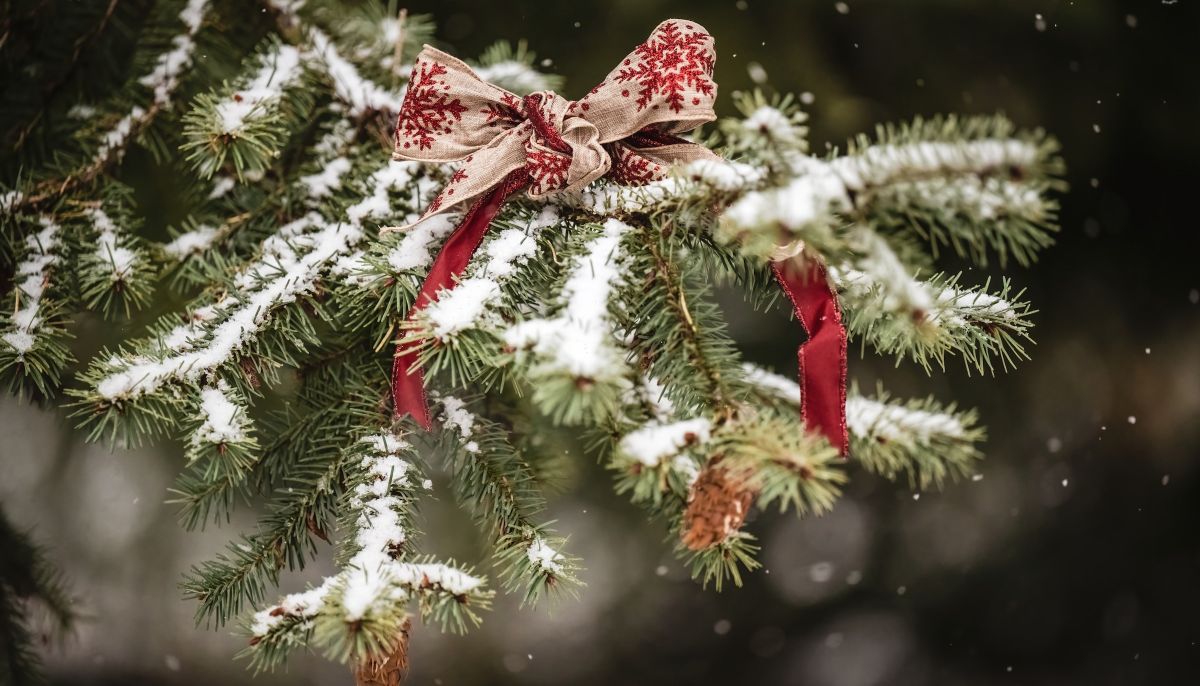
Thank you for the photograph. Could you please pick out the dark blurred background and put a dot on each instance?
(1075, 559)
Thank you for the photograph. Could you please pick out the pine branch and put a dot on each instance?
(492, 480)
(355, 614)
(921, 438)
(161, 82)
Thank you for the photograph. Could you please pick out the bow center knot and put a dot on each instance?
(563, 150)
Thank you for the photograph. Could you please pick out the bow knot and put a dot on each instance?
(563, 150)
(623, 128)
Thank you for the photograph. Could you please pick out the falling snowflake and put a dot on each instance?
(427, 111)
(670, 64)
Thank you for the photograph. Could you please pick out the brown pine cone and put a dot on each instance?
(717, 505)
(388, 669)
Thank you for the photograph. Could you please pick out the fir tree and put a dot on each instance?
(592, 309)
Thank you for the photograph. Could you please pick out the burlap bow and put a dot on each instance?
(623, 128)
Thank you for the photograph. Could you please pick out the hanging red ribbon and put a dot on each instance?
(823, 356)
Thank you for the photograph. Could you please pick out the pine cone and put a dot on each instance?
(388, 669)
(717, 505)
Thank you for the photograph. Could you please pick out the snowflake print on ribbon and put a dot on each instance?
(669, 64)
(631, 169)
(547, 170)
(427, 112)
(507, 112)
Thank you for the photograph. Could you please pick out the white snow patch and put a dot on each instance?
(224, 420)
(871, 418)
(415, 250)
(191, 242)
(108, 245)
(278, 70)
(654, 443)
(457, 416)
(360, 94)
(328, 179)
(41, 257)
(543, 557)
(579, 339)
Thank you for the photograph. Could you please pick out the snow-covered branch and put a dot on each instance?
(469, 303)
(578, 340)
(289, 266)
(162, 81)
(31, 281)
(371, 591)
(279, 68)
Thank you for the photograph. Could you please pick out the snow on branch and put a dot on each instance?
(289, 265)
(30, 282)
(116, 275)
(470, 301)
(926, 319)
(372, 588)
(494, 481)
(224, 419)
(882, 164)
(697, 180)
(111, 246)
(193, 242)
(162, 81)
(279, 68)
(867, 418)
(359, 93)
(579, 340)
(920, 437)
(656, 443)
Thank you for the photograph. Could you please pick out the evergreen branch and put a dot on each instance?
(492, 480)
(926, 320)
(675, 326)
(33, 350)
(571, 359)
(162, 81)
(927, 441)
(248, 122)
(117, 275)
(461, 333)
(354, 613)
(289, 266)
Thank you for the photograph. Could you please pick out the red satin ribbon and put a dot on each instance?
(408, 382)
(823, 356)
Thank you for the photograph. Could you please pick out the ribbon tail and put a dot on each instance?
(823, 356)
(408, 381)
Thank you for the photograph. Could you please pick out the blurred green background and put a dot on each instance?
(1074, 560)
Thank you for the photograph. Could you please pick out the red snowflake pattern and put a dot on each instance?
(632, 169)
(669, 64)
(508, 111)
(458, 175)
(547, 170)
(434, 205)
(427, 112)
